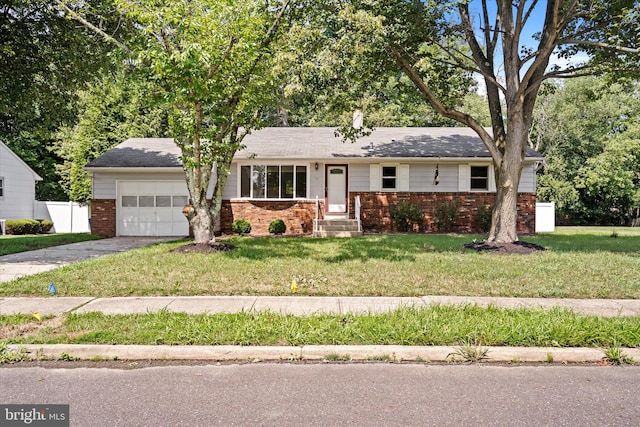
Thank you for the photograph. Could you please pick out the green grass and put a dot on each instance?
(579, 263)
(436, 325)
(15, 244)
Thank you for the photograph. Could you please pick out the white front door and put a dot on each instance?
(337, 189)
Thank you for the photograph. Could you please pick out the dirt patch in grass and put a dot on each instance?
(30, 328)
(204, 248)
(505, 248)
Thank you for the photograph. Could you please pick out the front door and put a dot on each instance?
(337, 189)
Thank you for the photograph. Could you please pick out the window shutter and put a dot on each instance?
(374, 177)
(403, 178)
(464, 178)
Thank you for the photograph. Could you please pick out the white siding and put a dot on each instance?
(104, 183)
(359, 177)
(19, 186)
(528, 179)
(421, 177)
(316, 181)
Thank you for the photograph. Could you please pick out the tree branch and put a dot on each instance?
(623, 49)
(458, 116)
(61, 4)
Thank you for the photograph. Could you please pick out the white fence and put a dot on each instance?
(545, 217)
(67, 217)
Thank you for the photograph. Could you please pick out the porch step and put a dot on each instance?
(337, 228)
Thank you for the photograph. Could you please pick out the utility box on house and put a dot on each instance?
(545, 217)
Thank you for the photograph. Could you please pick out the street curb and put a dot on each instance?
(314, 353)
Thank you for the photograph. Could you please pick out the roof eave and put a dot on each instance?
(133, 169)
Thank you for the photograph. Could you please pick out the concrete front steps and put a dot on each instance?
(337, 228)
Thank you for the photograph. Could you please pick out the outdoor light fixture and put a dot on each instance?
(317, 165)
(436, 178)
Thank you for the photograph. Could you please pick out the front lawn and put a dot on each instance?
(14, 244)
(578, 263)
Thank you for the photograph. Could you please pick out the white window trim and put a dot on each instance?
(396, 176)
(489, 173)
(271, 163)
(464, 178)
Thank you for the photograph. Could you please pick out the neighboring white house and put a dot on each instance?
(17, 186)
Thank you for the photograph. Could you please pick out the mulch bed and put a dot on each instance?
(505, 248)
(204, 248)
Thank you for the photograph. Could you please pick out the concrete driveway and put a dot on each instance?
(32, 262)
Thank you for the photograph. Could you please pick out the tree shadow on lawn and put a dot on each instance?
(390, 247)
(405, 247)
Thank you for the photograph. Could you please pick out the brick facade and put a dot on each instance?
(375, 210)
(103, 217)
(298, 215)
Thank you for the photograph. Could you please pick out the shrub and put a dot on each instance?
(45, 226)
(277, 227)
(445, 215)
(22, 226)
(405, 215)
(483, 217)
(241, 226)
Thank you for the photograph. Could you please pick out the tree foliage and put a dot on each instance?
(585, 128)
(44, 59)
(112, 109)
(215, 65)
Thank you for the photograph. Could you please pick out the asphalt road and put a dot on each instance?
(334, 395)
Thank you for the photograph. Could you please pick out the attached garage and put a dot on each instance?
(147, 208)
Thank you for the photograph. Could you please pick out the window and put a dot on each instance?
(479, 177)
(154, 201)
(273, 181)
(1, 187)
(389, 177)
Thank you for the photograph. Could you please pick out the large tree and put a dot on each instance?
(44, 59)
(491, 42)
(215, 63)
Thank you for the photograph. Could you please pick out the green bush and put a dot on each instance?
(45, 226)
(241, 226)
(405, 215)
(483, 217)
(445, 216)
(22, 226)
(277, 226)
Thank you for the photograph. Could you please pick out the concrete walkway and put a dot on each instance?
(27, 263)
(296, 305)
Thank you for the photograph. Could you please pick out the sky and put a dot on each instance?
(534, 25)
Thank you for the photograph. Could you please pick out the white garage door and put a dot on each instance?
(152, 208)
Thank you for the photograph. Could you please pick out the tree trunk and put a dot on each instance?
(198, 212)
(504, 224)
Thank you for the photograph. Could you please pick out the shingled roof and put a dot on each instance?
(313, 144)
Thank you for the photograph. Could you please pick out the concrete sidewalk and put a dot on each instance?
(297, 305)
(27, 263)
